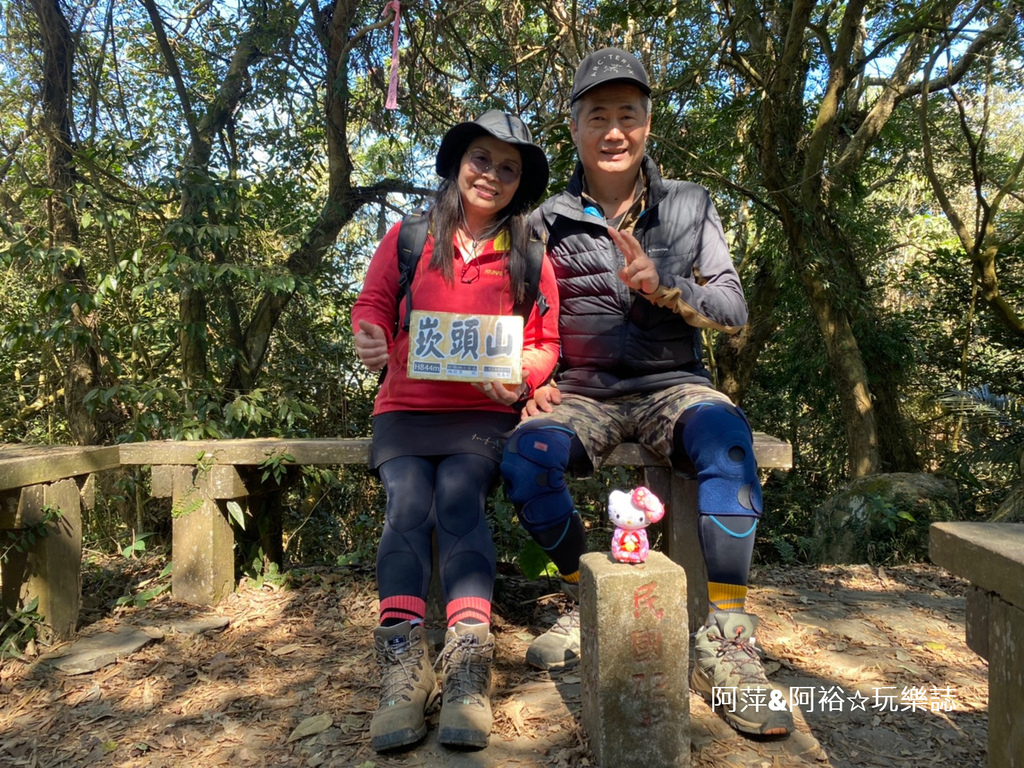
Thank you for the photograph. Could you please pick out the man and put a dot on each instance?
(642, 266)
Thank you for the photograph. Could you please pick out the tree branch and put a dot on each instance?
(172, 67)
(981, 43)
(840, 69)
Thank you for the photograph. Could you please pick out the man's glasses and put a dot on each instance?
(480, 162)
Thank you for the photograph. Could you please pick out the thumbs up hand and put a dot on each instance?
(371, 345)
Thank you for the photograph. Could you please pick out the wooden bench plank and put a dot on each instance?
(249, 451)
(770, 452)
(680, 541)
(989, 555)
(25, 465)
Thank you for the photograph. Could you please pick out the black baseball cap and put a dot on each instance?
(609, 65)
(507, 128)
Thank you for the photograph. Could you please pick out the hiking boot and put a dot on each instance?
(727, 672)
(408, 686)
(559, 647)
(466, 702)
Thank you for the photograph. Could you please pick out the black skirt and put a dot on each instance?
(420, 433)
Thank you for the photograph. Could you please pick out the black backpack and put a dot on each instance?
(413, 236)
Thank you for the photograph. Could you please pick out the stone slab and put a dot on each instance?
(199, 625)
(635, 660)
(680, 540)
(88, 654)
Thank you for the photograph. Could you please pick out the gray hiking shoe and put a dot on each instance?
(466, 703)
(408, 686)
(727, 672)
(559, 647)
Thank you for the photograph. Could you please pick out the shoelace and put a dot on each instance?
(567, 622)
(464, 660)
(740, 652)
(395, 667)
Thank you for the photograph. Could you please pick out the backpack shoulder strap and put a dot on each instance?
(534, 258)
(412, 236)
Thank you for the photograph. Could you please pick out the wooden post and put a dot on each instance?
(51, 569)
(679, 532)
(202, 542)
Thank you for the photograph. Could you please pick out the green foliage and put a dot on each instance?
(534, 562)
(991, 429)
(20, 628)
(24, 539)
(236, 513)
(262, 572)
(893, 534)
(276, 466)
(333, 515)
(148, 589)
(136, 547)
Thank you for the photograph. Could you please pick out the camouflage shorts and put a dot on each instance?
(647, 418)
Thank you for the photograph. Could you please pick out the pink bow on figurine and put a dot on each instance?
(631, 513)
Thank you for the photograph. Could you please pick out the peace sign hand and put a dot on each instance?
(640, 274)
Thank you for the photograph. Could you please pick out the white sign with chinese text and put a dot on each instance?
(453, 347)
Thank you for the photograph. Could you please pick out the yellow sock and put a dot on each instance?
(726, 597)
(572, 578)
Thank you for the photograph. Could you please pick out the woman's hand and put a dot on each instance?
(506, 394)
(543, 401)
(371, 345)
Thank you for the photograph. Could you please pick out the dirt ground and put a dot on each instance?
(291, 681)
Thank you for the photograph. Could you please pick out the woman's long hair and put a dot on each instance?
(446, 216)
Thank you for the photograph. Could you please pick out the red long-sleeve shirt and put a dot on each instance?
(485, 290)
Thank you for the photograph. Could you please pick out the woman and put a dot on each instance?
(437, 444)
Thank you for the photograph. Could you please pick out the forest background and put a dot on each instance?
(190, 193)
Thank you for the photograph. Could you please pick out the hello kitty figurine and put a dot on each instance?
(631, 513)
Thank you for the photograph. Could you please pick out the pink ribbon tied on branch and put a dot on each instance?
(392, 100)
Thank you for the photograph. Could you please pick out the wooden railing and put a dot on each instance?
(201, 477)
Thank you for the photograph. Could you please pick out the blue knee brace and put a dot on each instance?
(534, 464)
(719, 442)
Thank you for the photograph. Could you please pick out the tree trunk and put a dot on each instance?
(895, 446)
(849, 372)
(82, 372)
(737, 355)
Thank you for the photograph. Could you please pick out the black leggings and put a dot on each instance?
(447, 494)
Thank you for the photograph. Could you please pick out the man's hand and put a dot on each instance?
(543, 401)
(371, 345)
(640, 274)
(506, 394)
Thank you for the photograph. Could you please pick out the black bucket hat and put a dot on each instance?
(609, 65)
(507, 128)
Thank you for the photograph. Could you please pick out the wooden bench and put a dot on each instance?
(201, 477)
(33, 479)
(991, 557)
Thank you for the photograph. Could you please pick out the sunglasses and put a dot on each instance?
(480, 162)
